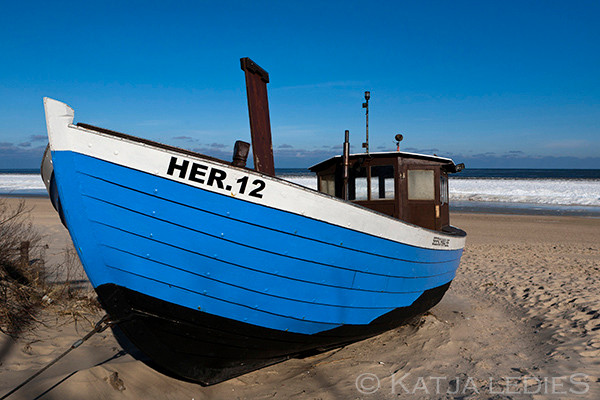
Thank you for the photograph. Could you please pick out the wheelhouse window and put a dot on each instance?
(382, 182)
(327, 184)
(421, 184)
(444, 197)
(380, 188)
(357, 184)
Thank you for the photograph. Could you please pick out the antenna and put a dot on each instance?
(346, 162)
(366, 105)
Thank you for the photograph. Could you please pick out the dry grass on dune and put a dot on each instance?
(22, 277)
(26, 283)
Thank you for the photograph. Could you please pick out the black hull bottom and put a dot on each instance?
(209, 349)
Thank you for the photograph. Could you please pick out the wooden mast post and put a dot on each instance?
(258, 110)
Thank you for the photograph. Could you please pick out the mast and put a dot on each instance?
(346, 162)
(258, 111)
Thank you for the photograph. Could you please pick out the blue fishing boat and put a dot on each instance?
(211, 269)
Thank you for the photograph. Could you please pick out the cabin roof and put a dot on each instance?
(447, 163)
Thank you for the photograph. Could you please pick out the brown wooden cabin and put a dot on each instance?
(407, 186)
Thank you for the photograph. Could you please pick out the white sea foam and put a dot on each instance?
(567, 192)
(304, 180)
(21, 183)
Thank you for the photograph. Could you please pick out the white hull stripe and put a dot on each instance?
(236, 182)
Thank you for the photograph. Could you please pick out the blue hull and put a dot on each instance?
(232, 258)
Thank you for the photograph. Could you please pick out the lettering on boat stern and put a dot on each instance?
(438, 241)
(214, 177)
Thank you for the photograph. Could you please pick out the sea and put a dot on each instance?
(500, 191)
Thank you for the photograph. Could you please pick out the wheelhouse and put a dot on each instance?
(411, 187)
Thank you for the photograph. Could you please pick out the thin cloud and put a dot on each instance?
(421, 151)
(216, 152)
(38, 138)
(22, 155)
(294, 158)
(484, 155)
(527, 161)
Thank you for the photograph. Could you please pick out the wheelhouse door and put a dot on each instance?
(421, 196)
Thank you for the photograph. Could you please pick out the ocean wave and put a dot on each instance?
(566, 192)
(21, 183)
(309, 181)
(533, 191)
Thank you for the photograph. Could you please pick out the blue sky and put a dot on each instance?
(491, 84)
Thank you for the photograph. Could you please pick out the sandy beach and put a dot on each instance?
(521, 320)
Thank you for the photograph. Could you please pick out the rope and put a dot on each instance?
(99, 327)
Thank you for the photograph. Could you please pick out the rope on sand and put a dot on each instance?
(100, 326)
